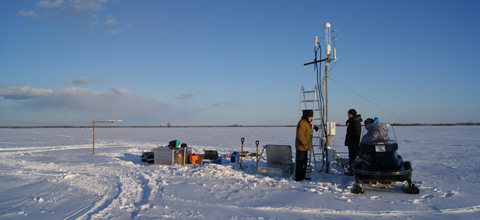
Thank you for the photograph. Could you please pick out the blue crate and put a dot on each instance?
(235, 157)
(217, 161)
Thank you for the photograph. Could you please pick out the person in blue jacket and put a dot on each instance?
(375, 131)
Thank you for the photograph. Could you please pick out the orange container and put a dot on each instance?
(196, 159)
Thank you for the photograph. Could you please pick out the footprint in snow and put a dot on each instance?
(450, 194)
(428, 196)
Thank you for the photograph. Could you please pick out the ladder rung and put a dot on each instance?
(308, 91)
(308, 101)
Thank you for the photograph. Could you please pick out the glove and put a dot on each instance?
(316, 128)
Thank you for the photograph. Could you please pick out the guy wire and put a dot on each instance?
(415, 127)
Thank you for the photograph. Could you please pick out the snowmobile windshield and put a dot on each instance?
(380, 133)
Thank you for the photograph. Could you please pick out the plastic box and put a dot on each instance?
(211, 155)
(196, 159)
(207, 161)
(235, 157)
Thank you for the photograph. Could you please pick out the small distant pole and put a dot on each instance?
(93, 122)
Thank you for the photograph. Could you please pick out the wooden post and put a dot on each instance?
(93, 122)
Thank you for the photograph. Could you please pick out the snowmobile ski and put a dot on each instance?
(410, 189)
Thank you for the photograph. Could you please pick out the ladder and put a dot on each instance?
(313, 104)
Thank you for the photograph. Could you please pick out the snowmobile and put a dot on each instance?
(377, 160)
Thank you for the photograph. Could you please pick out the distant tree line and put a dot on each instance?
(438, 124)
(234, 125)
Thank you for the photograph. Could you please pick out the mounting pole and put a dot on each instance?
(330, 36)
(93, 122)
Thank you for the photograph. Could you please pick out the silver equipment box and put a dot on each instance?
(170, 156)
(279, 161)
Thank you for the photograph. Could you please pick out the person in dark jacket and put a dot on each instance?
(303, 143)
(352, 138)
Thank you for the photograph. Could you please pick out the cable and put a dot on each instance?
(320, 89)
(280, 122)
(369, 100)
(415, 127)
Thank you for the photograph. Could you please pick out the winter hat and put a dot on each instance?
(367, 122)
(353, 112)
(307, 113)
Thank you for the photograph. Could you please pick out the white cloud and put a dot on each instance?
(26, 92)
(78, 80)
(113, 31)
(85, 104)
(86, 5)
(58, 9)
(121, 91)
(187, 95)
(109, 21)
(28, 14)
(61, 9)
(49, 4)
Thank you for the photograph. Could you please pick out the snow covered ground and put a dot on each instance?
(52, 174)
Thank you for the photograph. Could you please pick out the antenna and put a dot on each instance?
(328, 46)
(330, 37)
(334, 37)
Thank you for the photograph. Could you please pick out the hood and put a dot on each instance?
(356, 118)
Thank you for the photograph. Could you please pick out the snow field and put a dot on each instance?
(52, 174)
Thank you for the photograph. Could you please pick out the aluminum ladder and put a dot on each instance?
(313, 104)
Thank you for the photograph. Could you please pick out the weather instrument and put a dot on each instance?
(321, 96)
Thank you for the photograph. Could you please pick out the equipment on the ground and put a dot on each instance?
(257, 143)
(170, 156)
(279, 161)
(210, 155)
(147, 157)
(241, 151)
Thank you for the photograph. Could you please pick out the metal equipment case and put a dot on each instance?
(279, 161)
(170, 156)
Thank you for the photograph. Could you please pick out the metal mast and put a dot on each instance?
(328, 127)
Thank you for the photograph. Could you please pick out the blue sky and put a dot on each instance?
(66, 62)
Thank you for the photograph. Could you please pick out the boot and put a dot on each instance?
(349, 172)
